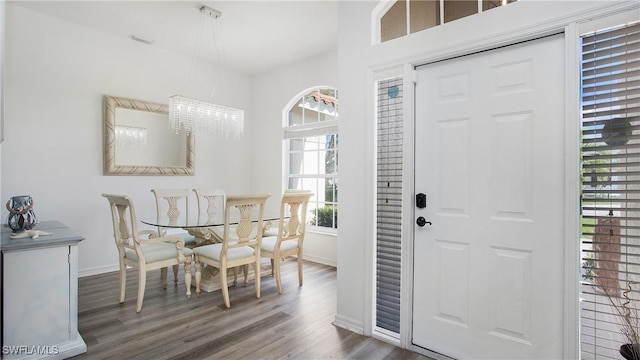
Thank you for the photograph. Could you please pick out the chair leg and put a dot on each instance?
(272, 267)
(163, 277)
(245, 270)
(225, 287)
(235, 275)
(123, 281)
(176, 268)
(300, 269)
(256, 269)
(142, 283)
(198, 274)
(187, 276)
(276, 269)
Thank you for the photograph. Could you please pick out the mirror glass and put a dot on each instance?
(138, 140)
(145, 138)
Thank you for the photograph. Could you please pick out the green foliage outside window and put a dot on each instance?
(588, 264)
(326, 216)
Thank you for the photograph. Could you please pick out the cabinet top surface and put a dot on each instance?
(61, 235)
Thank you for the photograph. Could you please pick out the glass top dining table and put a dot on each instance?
(207, 230)
(191, 222)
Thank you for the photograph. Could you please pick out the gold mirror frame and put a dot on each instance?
(112, 103)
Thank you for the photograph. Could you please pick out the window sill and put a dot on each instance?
(321, 231)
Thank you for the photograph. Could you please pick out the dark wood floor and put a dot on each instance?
(295, 325)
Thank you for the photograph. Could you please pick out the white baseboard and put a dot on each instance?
(320, 260)
(72, 348)
(111, 268)
(98, 270)
(349, 324)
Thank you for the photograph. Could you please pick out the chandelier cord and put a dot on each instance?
(196, 54)
(218, 63)
(221, 61)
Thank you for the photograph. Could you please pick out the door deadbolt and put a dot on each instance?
(421, 200)
(421, 221)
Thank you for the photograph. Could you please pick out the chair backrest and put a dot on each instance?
(250, 211)
(293, 215)
(296, 191)
(124, 231)
(211, 198)
(172, 203)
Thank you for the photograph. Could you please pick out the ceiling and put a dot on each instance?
(250, 36)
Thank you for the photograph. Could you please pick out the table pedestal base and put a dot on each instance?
(209, 280)
(210, 275)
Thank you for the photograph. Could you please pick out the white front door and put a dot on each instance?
(488, 272)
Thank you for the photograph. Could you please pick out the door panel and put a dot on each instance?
(488, 273)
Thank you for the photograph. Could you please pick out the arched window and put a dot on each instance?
(311, 152)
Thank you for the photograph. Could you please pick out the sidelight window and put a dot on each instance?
(610, 222)
(389, 141)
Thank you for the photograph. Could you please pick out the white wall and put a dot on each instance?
(356, 163)
(56, 75)
(272, 91)
(358, 61)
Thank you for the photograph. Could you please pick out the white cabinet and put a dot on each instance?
(40, 294)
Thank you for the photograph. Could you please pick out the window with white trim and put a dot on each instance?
(388, 248)
(398, 18)
(311, 152)
(610, 223)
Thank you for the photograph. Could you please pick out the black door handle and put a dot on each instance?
(421, 221)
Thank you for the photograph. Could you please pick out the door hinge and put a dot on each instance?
(414, 76)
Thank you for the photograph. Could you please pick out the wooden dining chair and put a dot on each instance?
(145, 249)
(174, 203)
(210, 202)
(291, 232)
(239, 249)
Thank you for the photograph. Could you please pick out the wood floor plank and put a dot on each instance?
(295, 325)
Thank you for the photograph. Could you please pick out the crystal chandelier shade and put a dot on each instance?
(194, 116)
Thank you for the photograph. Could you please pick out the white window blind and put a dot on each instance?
(610, 224)
(389, 204)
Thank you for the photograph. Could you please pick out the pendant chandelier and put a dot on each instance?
(194, 116)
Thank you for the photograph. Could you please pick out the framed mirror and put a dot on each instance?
(138, 140)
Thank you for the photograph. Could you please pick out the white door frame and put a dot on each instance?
(570, 27)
